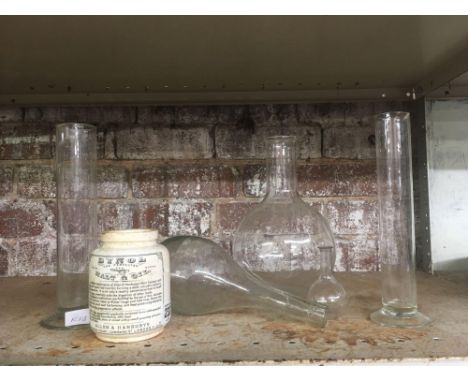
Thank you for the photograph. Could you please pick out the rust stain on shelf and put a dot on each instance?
(53, 352)
(350, 331)
(85, 341)
(223, 333)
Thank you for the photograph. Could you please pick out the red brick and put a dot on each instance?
(356, 179)
(6, 180)
(149, 182)
(159, 115)
(51, 213)
(324, 114)
(338, 114)
(362, 113)
(3, 262)
(124, 215)
(33, 114)
(328, 179)
(359, 113)
(349, 142)
(36, 182)
(36, 257)
(108, 146)
(341, 179)
(112, 182)
(274, 115)
(231, 114)
(254, 181)
(345, 217)
(382, 107)
(189, 218)
(151, 216)
(246, 141)
(313, 180)
(11, 114)
(357, 253)
(317, 180)
(355, 217)
(22, 218)
(25, 141)
(76, 216)
(101, 143)
(115, 215)
(147, 142)
(178, 116)
(186, 181)
(85, 114)
(350, 217)
(193, 116)
(230, 216)
(354, 253)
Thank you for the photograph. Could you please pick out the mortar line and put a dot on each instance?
(196, 162)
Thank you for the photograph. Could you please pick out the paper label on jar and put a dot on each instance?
(126, 294)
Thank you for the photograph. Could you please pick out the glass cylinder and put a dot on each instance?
(280, 239)
(396, 228)
(76, 151)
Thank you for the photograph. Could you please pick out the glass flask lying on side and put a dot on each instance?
(279, 240)
(205, 279)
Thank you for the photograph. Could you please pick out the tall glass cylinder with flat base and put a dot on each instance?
(396, 229)
(76, 151)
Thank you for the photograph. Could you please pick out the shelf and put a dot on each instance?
(245, 337)
(226, 59)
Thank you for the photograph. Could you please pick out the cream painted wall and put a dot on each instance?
(447, 151)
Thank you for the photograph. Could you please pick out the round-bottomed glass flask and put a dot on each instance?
(280, 239)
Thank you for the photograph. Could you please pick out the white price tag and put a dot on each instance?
(77, 317)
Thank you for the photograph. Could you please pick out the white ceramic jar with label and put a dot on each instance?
(129, 286)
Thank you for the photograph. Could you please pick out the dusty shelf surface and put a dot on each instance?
(245, 337)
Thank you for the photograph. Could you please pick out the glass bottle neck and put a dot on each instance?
(282, 303)
(325, 262)
(281, 170)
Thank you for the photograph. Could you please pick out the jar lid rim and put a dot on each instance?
(281, 138)
(392, 114)
(129, 235)
(75, 125)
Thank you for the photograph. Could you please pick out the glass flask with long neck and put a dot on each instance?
(279, 240)
(205, 279)
(326, 289)
(396, 223)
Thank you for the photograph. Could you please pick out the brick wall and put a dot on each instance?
(189, 170)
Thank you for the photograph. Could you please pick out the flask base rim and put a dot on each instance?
(395, 319)
(57, 321)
